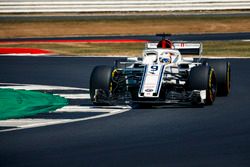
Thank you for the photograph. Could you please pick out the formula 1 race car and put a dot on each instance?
(162, 76)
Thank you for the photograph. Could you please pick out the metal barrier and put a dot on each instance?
(34, 6)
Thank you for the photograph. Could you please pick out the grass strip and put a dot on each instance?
(227, 48)
(124, 26)
(22, 103)
(210, 48)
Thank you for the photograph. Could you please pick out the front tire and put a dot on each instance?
(223, 75)
(203, 78)
(100, 79)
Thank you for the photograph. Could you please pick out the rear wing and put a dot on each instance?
(185, 48)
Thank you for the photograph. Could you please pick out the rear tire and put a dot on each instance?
(222, 70)
(100, 79)
(203, 78)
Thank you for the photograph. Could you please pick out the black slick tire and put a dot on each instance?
(203, 78)
(100, 79)
(222, 70)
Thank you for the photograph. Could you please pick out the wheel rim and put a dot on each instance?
(212, 89)
(213, 86)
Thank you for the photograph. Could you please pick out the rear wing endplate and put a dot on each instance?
(185, 48)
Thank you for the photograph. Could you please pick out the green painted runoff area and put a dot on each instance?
(21, 103)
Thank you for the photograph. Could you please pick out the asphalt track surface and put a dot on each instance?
(185, 37)
(215, 135)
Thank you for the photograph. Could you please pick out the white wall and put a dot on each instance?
(32, 6)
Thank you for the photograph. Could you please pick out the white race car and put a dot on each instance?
(162, 76)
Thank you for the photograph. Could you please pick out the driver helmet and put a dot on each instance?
(165, 58)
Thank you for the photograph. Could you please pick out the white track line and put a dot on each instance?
(63, 121)
(39, 87)
(82, 109)
(74, 96)
(74, 108)
(73, 120)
